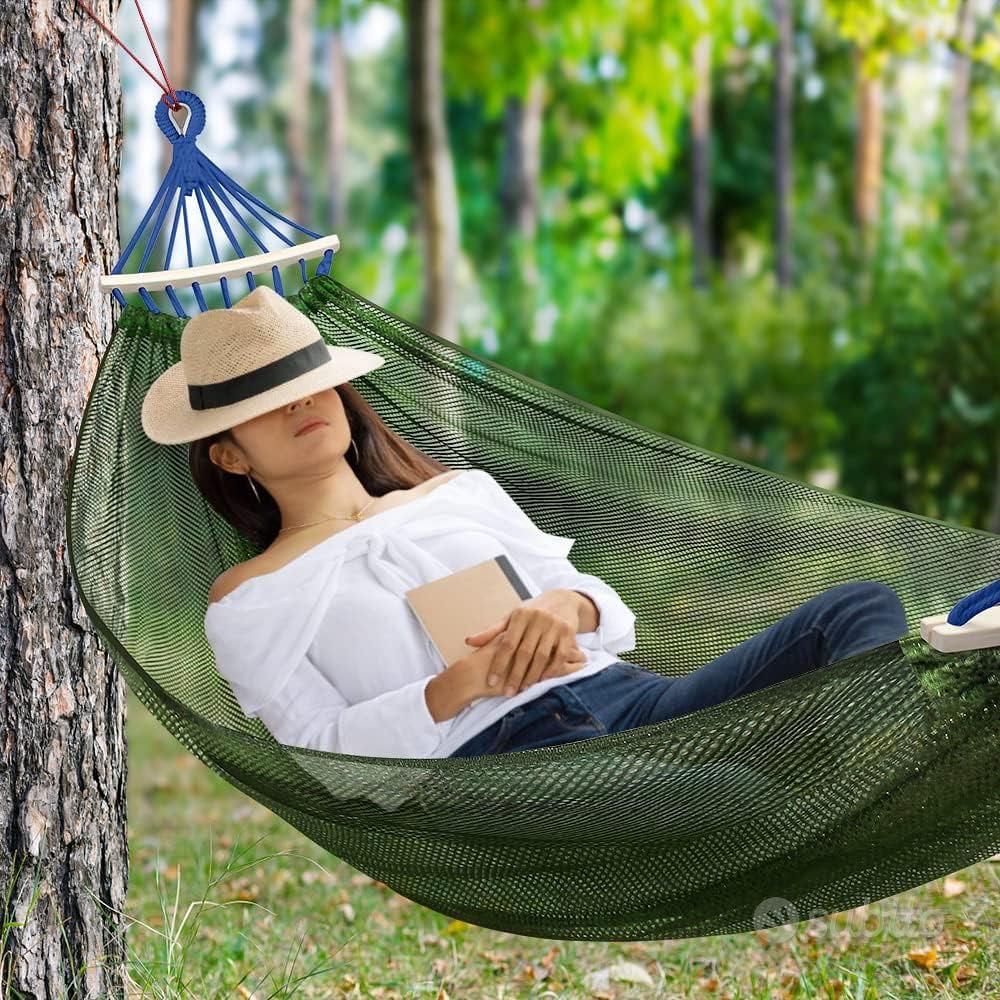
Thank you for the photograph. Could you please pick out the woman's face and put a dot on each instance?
(269, 447)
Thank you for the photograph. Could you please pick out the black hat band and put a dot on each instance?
(258, 380)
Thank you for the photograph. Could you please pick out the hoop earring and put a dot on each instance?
(357, 454)
(253, 486)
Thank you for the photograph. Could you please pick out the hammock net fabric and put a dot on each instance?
(834, 788)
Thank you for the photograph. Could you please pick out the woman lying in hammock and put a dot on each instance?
(315, 637)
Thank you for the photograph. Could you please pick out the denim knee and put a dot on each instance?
(881, 596)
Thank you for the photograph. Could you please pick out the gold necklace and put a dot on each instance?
(332, 517)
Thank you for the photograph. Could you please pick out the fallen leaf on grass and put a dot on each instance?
(498, 962)
(347, 984)
(953, 887)
(788, 976)
(623, 972)
(924, 957)
(532, 973)
(243, 888)
(548, 959)
(964, 974)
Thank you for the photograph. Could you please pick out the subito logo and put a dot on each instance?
(774, 912)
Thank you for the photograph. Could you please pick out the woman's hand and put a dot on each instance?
(537, 639)
(475, 666)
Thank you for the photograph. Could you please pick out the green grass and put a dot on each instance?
(227, 900)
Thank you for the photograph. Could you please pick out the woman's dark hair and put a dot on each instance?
(383, 462)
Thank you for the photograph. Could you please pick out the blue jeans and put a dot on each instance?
(839, 622)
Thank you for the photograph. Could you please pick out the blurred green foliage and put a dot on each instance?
(875, 374)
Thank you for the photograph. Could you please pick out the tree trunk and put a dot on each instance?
(783, 93)
(701, 135)
(520, 174)
(868, 152)
(434, 174)
(336, 111)
(522, 157)
(300, 34)
(958, 118)
(63, 779)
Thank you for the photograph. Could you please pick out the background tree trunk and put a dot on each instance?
(63, 774)
(958, 118)
(433, 168)
(868, 152)
(701, 165)
(520, 195)
(301, 17)
(783, 95)
(336, 134)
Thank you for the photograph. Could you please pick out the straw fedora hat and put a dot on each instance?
(240, 362)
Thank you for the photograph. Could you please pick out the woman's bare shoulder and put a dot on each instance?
(270, 558)
(439, 480)
(228, 580)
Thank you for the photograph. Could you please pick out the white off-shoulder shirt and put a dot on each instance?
(327, 652)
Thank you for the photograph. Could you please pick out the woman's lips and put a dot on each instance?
(310, 427)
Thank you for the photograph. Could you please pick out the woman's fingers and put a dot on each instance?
(567, 661)
(481, 638)
(532, 646)
(564, 657)
(502, 664)
(545, 652)
(523, 657)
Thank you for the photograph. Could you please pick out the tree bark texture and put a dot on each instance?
(62, 702)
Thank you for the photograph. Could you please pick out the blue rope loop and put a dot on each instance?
(978, 600)
(194, 125)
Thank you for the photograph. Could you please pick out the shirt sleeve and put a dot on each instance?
(615, 630)
(310, 711)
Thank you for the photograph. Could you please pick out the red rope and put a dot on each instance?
(169, 94)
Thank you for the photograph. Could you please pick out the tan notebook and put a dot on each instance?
(465, 602)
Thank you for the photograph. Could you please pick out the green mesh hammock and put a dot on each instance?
(843, 785)
(840, 786)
